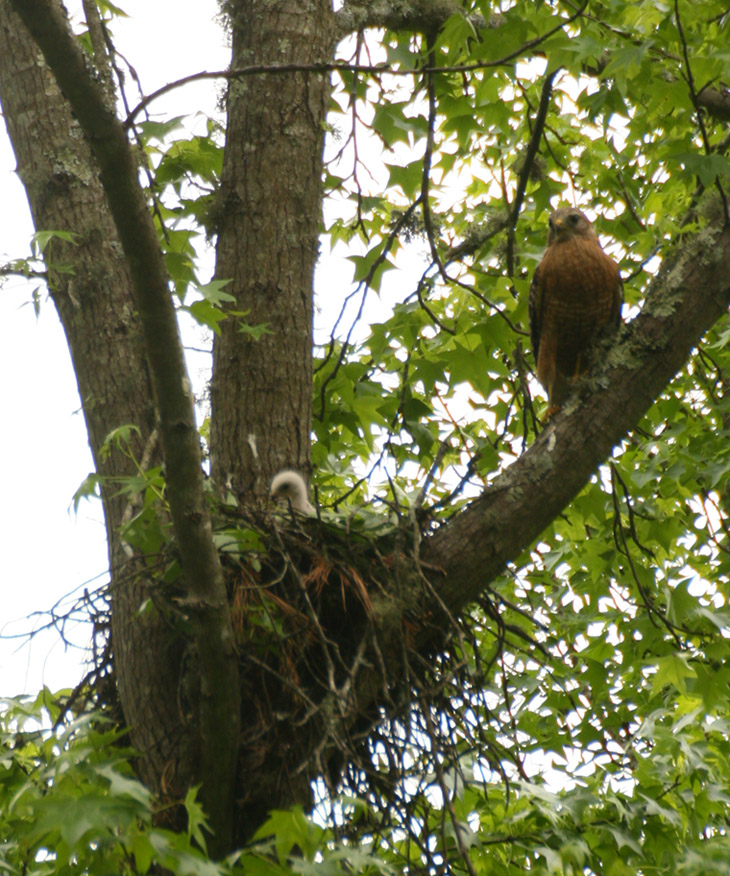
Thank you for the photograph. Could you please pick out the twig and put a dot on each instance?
(524, 175)
(331, 67)
(364, 286)
(689, 79)
(144, 464)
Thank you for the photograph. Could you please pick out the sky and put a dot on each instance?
(49, 551)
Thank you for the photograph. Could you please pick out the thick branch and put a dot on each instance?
(219, 710)
(689, 294)
(470, 550)
(421, 16)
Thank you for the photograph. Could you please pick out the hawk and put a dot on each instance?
(576, 292)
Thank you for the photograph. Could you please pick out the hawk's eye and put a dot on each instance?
(574, 219)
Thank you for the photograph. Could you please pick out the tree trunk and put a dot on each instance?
(201, 603)
(268, 222)
(94, 302)
(97, 305)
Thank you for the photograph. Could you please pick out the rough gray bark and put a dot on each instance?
(97, 310)
(268, 221)
(60, 177)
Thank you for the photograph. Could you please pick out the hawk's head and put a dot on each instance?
(569, 222)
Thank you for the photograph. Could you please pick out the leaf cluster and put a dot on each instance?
(69, 803)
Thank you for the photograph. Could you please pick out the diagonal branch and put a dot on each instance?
(690, 292)
(689, 79)
(206, 597)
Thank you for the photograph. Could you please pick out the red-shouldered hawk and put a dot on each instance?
(575, 293)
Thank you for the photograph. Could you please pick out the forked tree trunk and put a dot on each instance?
(97, 311)
(268, 220)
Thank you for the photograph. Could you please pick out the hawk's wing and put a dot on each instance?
(535, 311)
(618, 300)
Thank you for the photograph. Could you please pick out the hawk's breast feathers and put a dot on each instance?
(576, 293)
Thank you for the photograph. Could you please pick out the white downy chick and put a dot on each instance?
(291, 485)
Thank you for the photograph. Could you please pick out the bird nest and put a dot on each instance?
(321, 613)
(353, 677)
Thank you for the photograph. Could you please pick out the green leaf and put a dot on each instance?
(673, 670)
(206, 314)
(40, 240)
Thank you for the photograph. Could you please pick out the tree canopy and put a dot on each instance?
(502, 644)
